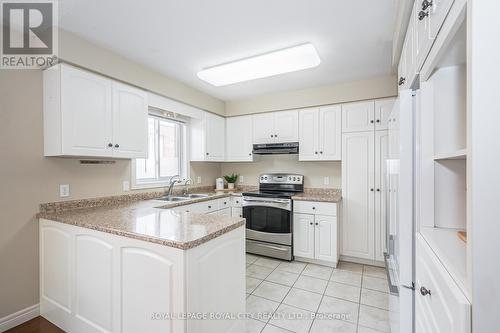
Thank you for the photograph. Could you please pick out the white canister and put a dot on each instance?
(219, 184)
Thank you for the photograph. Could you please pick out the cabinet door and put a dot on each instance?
(303, 235)
(130, 122)
(263, 128)
(423, 41)
(402, 71)
(239, 139)
(325, 238)
(330, 133)
(438, 11)
(86, 104)
(215, 134)
(383, 108)
(381, 156)
(309, 134)
(286, 126)
(358, 195)
(237, 212)
(358, 117)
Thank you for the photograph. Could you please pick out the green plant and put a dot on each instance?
(231, 178)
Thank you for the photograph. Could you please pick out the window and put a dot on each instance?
(166, 157)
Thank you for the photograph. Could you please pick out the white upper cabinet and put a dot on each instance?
(130, 128)
(208, 138)
(423, 39)
(274, 127)
(320, 134)
(358, 116)
(383, 108)
(239, 139)
(89, 115)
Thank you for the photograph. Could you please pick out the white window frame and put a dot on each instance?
(183, 158)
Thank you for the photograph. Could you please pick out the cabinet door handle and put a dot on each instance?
(426, 4)
(371, 121)
(378, 190)
(316, 152)
(209, 207)
(310, 223)
(321, 152)
(424, 291)
(275, 135)
(110, 144)
(117, 146)
(272, 135)
(249, 154)
(317, 223)
(371, 190)
(378, 120)
(422, 15)
(206, 154)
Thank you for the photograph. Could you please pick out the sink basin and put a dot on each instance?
(193, 196)
(173, 199)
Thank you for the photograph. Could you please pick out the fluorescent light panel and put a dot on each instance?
(274, 63)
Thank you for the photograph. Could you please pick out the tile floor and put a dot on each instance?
(306, 298)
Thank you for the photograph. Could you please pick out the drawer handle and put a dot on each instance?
(424, 291)
(209, 207)
(314, 208)
(310, 223)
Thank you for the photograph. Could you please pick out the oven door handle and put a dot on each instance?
(267, 201)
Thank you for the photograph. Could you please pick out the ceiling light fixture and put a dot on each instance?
(287, 60)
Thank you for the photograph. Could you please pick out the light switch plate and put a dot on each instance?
(326, 181)
(242, 179)
(198, 180)
(126, 185)
(64, 190)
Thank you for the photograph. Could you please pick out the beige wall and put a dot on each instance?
(78, 51)
(324, 95)
(314, 171)
(28, 179)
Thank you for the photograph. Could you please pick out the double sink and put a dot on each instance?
(171, 198)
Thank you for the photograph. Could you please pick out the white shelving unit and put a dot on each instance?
(460, 154)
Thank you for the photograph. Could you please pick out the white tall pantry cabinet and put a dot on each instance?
(364, 151)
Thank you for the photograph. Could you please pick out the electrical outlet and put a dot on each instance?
(126, 185)
(198, 180)
(64, 190)
(326, 180)
(242, 179)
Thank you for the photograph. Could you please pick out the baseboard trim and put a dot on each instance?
(362, 261)
(19, 317)
(316, 261)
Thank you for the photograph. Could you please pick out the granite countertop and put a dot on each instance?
(150, 220)
(327, 196)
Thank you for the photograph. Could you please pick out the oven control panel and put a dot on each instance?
(281, 178)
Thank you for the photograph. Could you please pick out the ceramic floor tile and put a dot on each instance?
(293, 319)
(343, 291)
(274, 329)
(267, 262)
(252, 283)
(317, 271)
(292, 267)
(303, 299)
(373, 271)
(339, 309)
(254, 326)
(311, 284)
(282, 277)
(273, 291)
(375, 284)
(250, 258)
(362, 329)
(375, 298)
(260, 308)
(346, 277)
(351, 267)
(258, 272)
(374, 318)
(332, 326)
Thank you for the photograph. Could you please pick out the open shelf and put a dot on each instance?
(451, 252)
(460, 154)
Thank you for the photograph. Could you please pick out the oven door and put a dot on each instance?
(268, 220)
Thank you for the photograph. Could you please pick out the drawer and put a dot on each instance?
(236, 201)
(224, 203)
(445, 309)
(313, 207)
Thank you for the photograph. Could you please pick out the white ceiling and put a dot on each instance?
(180, 37)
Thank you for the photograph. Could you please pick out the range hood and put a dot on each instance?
(276, 148)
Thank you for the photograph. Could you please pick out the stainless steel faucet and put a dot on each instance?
(173, 180)
(185, 191)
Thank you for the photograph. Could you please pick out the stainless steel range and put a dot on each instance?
(268, 213)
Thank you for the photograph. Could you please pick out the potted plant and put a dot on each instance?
(231, 180)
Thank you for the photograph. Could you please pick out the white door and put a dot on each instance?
(86, 104)
(309, 134)
(286, 126)
(325, 238)
(330, 133)
(239, 139)
(263, 128)
(303, 235)
(215, 134)
(358, 194)
(381, 156)
(383, 108)
(130, 121)
(358, 116)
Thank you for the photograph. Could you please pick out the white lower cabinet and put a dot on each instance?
(91, 281)
(440, 305)
(315, 235)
